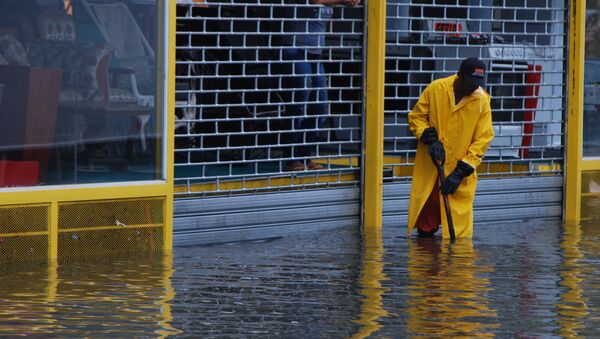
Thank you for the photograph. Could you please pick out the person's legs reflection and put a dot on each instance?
(295, 84)
(317, 109)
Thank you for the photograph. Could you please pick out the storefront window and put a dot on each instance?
(591, 122)
(78, 92)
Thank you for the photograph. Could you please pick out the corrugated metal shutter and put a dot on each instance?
(270, 215)
(495, 200)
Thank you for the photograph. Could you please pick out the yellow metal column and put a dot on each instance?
(372, 268)
(373, 143)
(170, 137)
(53, 231)
(574, 119)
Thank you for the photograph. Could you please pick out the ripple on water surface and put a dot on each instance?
(533, 279)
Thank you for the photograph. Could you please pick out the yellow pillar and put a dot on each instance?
(53, 232)
(574, 137)
(373, 143)
(170, 137)
(372, 267)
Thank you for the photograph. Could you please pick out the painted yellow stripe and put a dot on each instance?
(401, 167)
(275, 183)
(350, 161)
(391, 161)
(106, 228)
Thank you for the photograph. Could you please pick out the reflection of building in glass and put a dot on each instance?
(77, 92)
(592, 33)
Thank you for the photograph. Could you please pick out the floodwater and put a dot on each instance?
(526, 280)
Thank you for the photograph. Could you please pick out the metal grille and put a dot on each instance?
(77, 244)
(523, 44)
(111, 213)
(104, 227)
(24, 232)
(252, 113)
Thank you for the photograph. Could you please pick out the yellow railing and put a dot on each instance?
(44, 205)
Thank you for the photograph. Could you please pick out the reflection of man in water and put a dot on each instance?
(447, 291)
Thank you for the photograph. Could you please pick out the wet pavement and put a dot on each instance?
(526, 280)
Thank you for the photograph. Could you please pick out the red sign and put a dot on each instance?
(447, 27)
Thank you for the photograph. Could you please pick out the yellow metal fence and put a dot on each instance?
(82, 228)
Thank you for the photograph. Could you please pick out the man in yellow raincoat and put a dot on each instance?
(453, 122)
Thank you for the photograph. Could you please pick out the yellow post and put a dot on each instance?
(53, 232)
(170, 137)
(372, 268)
(373, 143)
(574, 138)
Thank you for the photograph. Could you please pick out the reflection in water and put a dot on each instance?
(371, 289)
(165, 328)
(294, 287)
(126, 296)
(572, 308)
(447, 294)
(526, 280)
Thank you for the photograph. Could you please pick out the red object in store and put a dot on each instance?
(19, 173)
(3, 171)
(532, 91)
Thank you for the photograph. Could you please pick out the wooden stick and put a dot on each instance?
(442, 179)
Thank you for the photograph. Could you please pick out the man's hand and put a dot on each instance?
(452, 182)
(437, 152)
(436, 148)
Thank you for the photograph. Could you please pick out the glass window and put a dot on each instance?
(591, 108)
(78, 92)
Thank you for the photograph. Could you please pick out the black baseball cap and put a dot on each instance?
(473, 72)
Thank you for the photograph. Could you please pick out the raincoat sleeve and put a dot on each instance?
(418, 118)
(484, 133)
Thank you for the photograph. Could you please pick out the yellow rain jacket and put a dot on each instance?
(466, 131)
